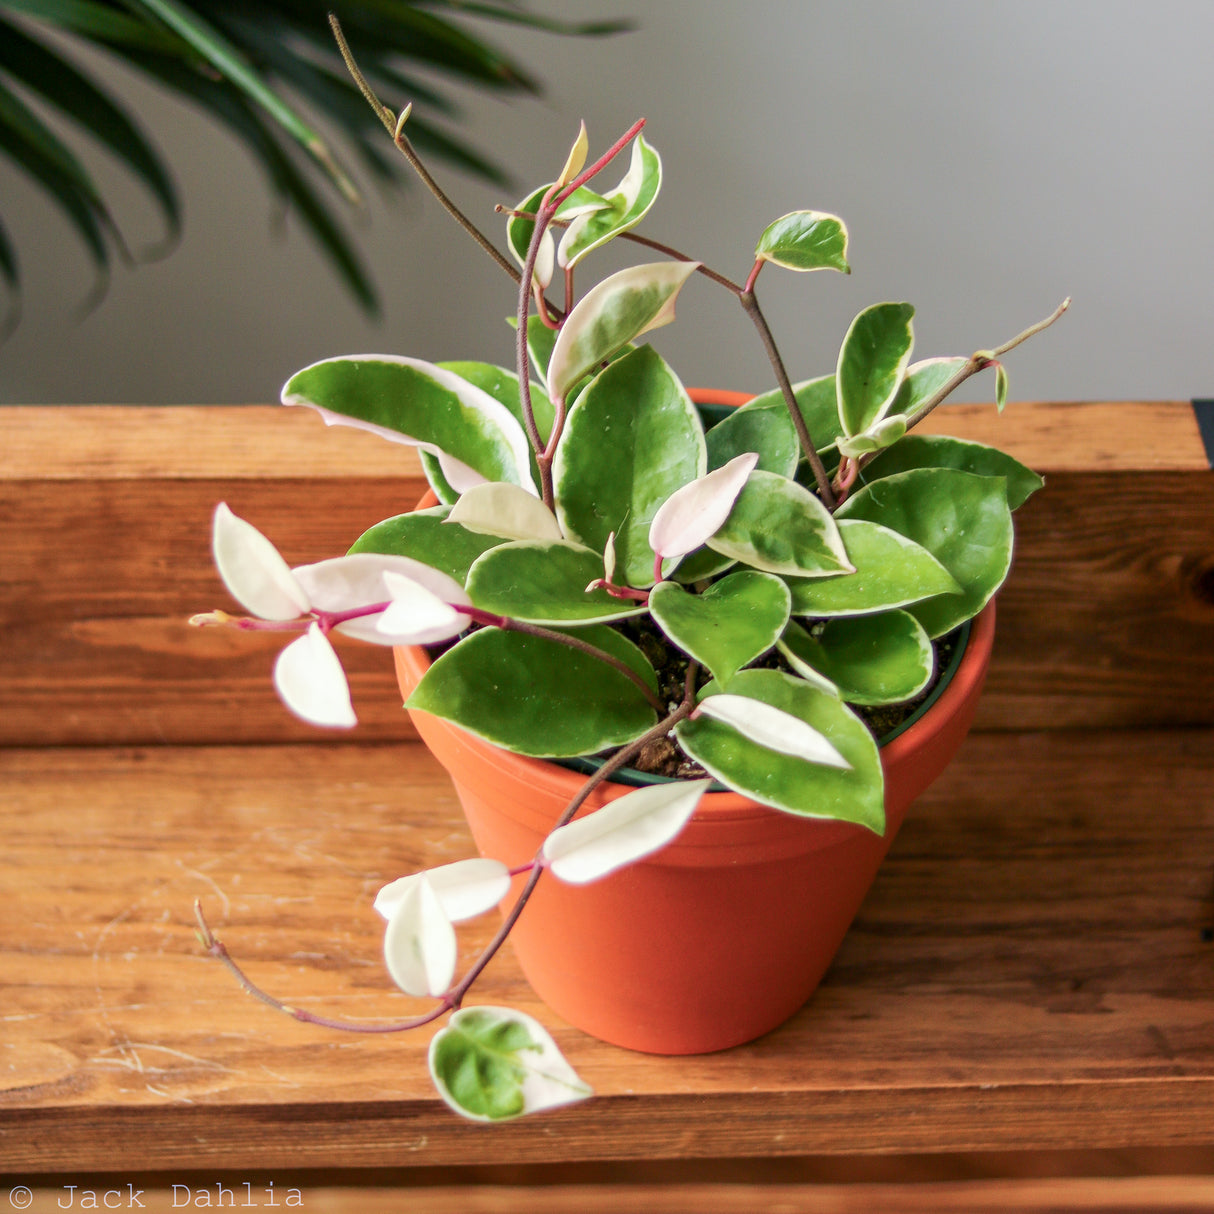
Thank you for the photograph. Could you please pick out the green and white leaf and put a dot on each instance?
(785, 781)
(871, 659)
(923, 380)
(771, 426)
(693, 513)
(872, 364)
(962, 519)
(420, 404)
(625, 830)
(879, 435)
(494, 1063)
(773, 729)
(890, 571)
(632, 439)
(533, 696)
(464, 889)
(805, 240)
(501, 509)
(427, 536)
(780, 527)
(610, 315)
(762, 426)
(938, 451)
(519, 230)
(734, 621)
(419, 942)
(545, 582)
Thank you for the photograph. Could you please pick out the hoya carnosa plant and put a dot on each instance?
(796, 561)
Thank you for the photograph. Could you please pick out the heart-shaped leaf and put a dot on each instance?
(784, 781)
(780, 527)
(872, 363)
(891, 571)
(464, 889)
(410, 401)
(533, 696)
(545, 582)
(426, 536)
(871, 659)
(630, 441)
(937, 451)
(610, 315)
(734, 621)
(493, 1063)
(805, 240)
(623, 831)
(963, 520)
(419, 943)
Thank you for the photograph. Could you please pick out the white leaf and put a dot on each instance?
(416, 616)
(419, 943)
(254, 570)
(634, 825)
(498, 508)
(773, 728)
(465, 889)
(312, 683)
(460, 476)
(691, 515)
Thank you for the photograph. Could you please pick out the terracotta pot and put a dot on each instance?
(724, 934)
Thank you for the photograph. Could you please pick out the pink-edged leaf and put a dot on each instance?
(693, 514)
(311, 682)
(416, 615)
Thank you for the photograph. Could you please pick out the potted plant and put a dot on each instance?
(741, 607)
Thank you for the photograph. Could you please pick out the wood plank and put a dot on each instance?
(1031, 971)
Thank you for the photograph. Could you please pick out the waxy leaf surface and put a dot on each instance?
(783, 781)
(253, 570)
(426, 536)
(504, 510)
(632, 439)
(464, 889)
(805, 240)
(762, 426)
(734, 621)
(963, 520)
(692, 513)
(872, 363)
(493, 1063)
(533, 696)
(419, 943)
(923, 380)
(310, 681)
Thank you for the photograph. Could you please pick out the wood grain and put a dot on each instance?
(1029, 972)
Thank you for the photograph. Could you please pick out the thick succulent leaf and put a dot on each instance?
(734, 621)
(699, 565)
(937, 451)
(923, 380)
(805, 240)
(576, 158)
(780, 527)
(426, 536)
(878, 436)
(419, 943)
(446, 493)
(872, 364)
(310, 681)
(464, 889)
(410, 401)
(623, 831)
(690, 515)
(630, 441)
(253, 570)
(519, 230)
(783, 781)
(544, 582)
(762, 426)
(493, 1063)
(963, 520)
(610, 315)
(773, 729)
(533, 696)
(1000, 386)
(891, 571)
(871, 659)
(417, 616)
(626, 206)
(505, 510)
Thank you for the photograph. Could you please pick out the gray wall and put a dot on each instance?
(989, 156)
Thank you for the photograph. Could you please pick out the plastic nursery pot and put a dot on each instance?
(724, 934)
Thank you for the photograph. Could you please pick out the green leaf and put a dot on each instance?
(783, 781)
(493, 1063)
(938, 451)
(761, 425)
(923, 380)
(963, 520)
(519, 229)
(1000, 386)
(99, 22)
(878, 436)
(610, 315)
(545, 583)
(701, 564)
(871, 659)
(891, 571)
(533, 696)
(405, 399)
(630, 441)
(805, 240)
(780, 527)
(734, 621)
(425, 536)
(872, 363)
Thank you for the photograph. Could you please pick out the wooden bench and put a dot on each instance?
(1025, 1004)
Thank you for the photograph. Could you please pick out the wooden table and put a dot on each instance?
(1025, 1004)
